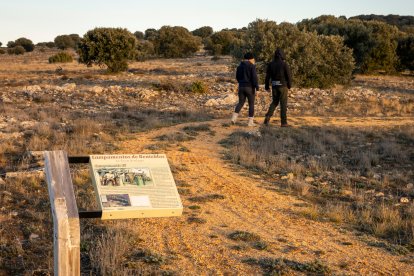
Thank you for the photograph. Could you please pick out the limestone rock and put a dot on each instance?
(309, 179)
(96, 89)
(33, 236)
(68, 87)
(404, 200)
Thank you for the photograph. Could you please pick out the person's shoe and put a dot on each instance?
(234, 118)
(266, 121)
(251, 122)
(285, 125)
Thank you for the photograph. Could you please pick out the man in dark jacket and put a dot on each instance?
(248, 85)
(278, 73)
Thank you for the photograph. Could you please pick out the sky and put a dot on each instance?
(43, 20)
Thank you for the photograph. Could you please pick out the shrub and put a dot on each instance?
(11, 44)
(18, 50)
(139, 35)
(373, 43)
(315, 60)
(27, 44)
(67, 41)
(145, 50)
(150, 34)
(1, 44)
(2, 52)
(405, 52)
(61, 57)
(175, 42)
(223, 42)
(110, 46)
(199, 87)
(50, 44)
(203, 32)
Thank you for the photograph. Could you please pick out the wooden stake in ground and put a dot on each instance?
(65, 214)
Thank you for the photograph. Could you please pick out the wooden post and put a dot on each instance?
(66, 233)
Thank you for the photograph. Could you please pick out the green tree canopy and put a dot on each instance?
(175, 42)
(27, 44)
(203, 32)
(67, 41)
(110, 46)
(315, 60)
(373, 43)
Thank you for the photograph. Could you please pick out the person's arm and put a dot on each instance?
(238, 74)
(255, 80)
(267, 79)
(288, 76)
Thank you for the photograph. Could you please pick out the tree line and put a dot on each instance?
(322, 51)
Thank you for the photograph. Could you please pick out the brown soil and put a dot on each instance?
(251, 204)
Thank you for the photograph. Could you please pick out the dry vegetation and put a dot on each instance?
(360, 175)
(350, 173)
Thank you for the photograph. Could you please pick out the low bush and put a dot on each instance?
(175, 42)
(223, 42)
(199, 87)
(67, 41)
(203, 32)
(27, 44)
(61, 57)
(49, 44)
(18, 50)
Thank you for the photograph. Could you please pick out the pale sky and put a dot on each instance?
(43, 20)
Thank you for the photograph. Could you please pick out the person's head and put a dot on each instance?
(279, 54)
(249, 56)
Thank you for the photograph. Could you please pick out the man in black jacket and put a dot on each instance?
(248, 84)
(278, 73)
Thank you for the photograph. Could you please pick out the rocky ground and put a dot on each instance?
(85, 110)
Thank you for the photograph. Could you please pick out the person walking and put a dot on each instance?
(248, 85)
(278, 73)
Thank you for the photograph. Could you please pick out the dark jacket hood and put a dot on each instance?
(279, 54)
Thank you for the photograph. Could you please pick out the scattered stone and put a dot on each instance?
(289, 176)
(347, 192)
(33, 236)
(404, 200)
(68, 87)
(5, 99)
(226, 100)
(35, 173)
(377, 176)
(96, 89)
(13, 214)
(309, 179)
(32, 88)
(410, 186)
(115, 88)
(28, 124)
(380, 194)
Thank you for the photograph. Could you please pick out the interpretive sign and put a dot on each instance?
(135, 186)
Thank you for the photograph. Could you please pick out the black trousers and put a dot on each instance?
(279, 94)
(249, 93)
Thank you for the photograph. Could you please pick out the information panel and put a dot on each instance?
(135, 186)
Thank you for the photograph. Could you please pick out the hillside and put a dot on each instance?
(331, 195)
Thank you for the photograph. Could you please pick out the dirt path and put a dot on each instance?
(199, 243)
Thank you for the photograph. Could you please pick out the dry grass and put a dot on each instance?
(83, 122)
(356, 175)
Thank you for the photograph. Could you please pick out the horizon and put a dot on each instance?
(42, 21)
